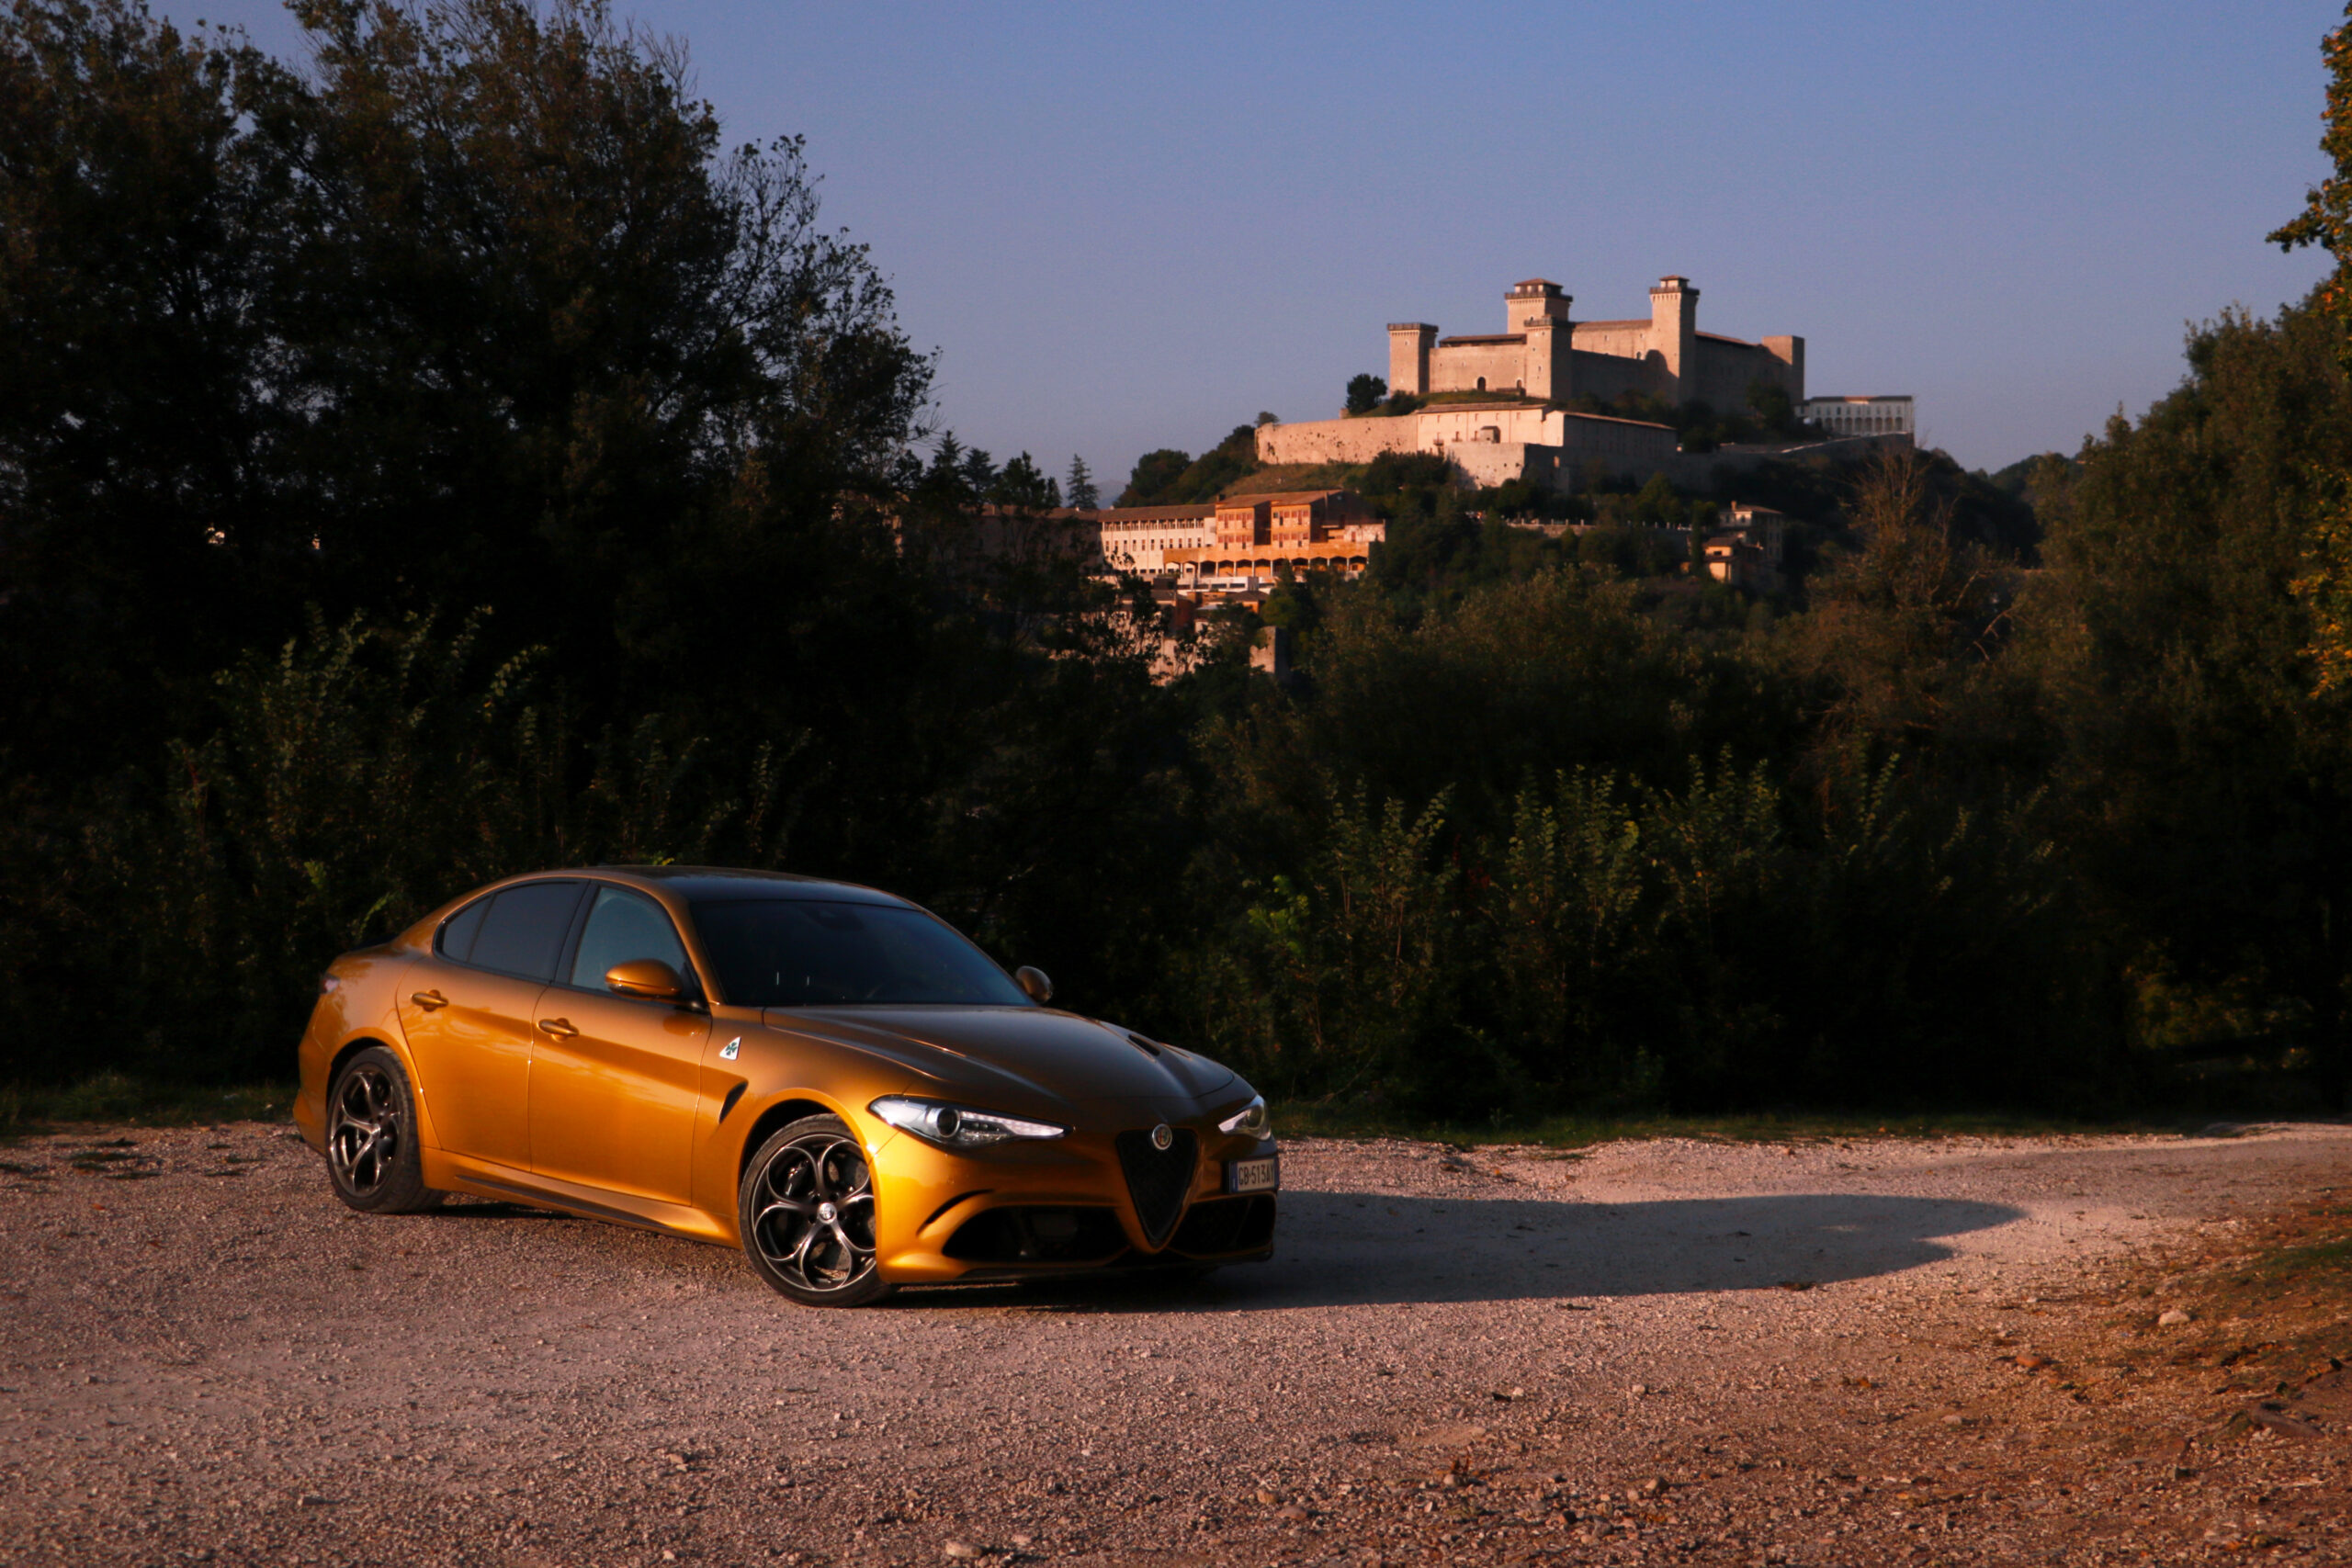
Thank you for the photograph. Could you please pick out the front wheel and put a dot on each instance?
(807, 1211)
(372, 1155)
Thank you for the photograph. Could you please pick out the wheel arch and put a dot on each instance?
(361, 1042)
(786, 1108)
(426, 1135)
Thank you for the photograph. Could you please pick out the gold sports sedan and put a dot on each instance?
(828, 1077)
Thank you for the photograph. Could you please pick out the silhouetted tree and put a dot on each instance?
(1079, 490)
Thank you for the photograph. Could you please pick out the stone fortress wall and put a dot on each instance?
(1489, 441)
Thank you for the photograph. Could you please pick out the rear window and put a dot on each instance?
(521, 933)
(780, 952)
(458, 930)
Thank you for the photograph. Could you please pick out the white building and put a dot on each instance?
(1862, 416)
(1137, 539)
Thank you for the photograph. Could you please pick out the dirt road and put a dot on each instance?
(1501, 1356)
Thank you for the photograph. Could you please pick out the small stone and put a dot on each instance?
(960, 1548)
(1652, 1486)
(1292, 1512)
(1640, 1388)
(1267, 1498)
(669, 1557)
(2172, 1318)
(1955, 1421)
(1022, 1540)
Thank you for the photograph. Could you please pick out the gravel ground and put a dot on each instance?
(1663, 1351)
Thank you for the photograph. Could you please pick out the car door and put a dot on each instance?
(471, 1012)
(616, 1081)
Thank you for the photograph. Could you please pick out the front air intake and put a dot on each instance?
(1158, 1179)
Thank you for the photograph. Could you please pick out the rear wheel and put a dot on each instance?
(807, 1212)
(372, 1155)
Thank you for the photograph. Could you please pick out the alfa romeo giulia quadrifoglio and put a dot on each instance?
(828, 1077)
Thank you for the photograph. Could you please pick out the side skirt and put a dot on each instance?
(588, 1202)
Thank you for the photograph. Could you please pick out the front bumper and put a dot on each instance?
(1072, 1205)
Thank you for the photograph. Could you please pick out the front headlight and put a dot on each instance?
(1251, 1122)
(958, 1126)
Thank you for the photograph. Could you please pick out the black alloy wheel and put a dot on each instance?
(372, 1155)
(807, 1212)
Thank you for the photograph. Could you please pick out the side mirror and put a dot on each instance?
(1032, 980)
(648, 978)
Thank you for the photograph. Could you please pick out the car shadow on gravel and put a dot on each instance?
(1347, 1248)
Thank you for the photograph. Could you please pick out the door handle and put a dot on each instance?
(558, 1027)
(428, 1000)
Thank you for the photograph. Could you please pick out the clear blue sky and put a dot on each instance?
(1127, 227)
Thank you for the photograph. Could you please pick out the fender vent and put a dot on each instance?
(1158, 1179)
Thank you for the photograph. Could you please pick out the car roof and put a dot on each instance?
(711, 883)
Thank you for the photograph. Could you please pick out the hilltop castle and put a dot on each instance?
(1493, 404)
(1543, 354)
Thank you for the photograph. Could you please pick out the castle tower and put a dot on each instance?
(1531, 301)
(1537, 310)
(1789, 352)
(1674, 334)
(1408, 357)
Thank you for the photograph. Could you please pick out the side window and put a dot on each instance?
(623, 926)
(457, 939)
(523, 934)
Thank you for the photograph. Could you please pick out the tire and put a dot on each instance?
(373, 1160)
(805, 1207)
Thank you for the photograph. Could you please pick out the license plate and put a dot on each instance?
(1254, 1175)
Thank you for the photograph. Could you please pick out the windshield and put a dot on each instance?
(789, 953)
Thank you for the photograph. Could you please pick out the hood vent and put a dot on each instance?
(1158, 1179)
(1140, 1043)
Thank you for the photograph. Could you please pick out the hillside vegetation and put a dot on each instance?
(445, 457)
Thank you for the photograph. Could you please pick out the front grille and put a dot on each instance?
(1158, 1179)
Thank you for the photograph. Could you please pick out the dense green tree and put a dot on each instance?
(2201, 768)
(1898, 629)
(1078, 488)
(140, 228)
(1364, 393)
(2325, 582)
(1155, 474)
(1769, 400)
(476, 310)
(1021, 484)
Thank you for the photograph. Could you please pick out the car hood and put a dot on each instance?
(1007, 1055)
